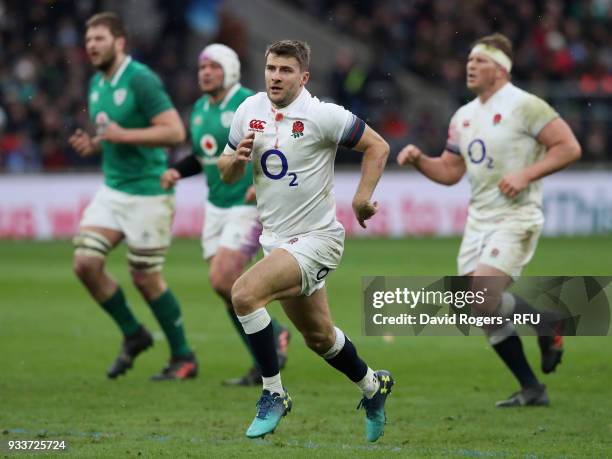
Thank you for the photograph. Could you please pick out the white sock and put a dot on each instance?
(337, 346)
(255, 321)
(369, 384)
(273, 384)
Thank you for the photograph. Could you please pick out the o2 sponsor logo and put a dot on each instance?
(284, 167)
(322, 273)
(477, 151)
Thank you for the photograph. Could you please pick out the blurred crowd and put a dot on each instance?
(562, 51)
(44, 70)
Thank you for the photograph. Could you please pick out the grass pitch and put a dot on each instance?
(55, 345)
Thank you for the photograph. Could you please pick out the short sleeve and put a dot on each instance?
(237, 128)
(536, 114)
(339, 126)
(151, 97)
(452, 141)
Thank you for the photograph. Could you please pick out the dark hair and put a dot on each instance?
(499, 41)
(292, 48)
(110, 20)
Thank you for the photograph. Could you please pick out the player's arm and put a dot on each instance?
(186, 167)
(166, 130)
(375, 152)
(446, 169)
(562, 149)
(152, 101)
(232, 162)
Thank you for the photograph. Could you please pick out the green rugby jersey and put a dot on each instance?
(210, 125)
(131, 98)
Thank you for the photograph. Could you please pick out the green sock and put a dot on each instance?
(120, 311)
(240, 330)
(168, 313)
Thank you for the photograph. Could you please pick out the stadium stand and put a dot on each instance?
(563, 53)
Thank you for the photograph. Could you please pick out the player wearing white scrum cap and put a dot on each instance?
(507, 140)
(227, 58)
(231, 229)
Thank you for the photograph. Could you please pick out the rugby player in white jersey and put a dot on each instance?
(291, 139)
(507, 140)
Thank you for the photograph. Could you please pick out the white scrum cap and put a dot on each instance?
(227, 58)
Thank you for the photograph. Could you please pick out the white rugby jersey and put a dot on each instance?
(495, 138)
(293, 159)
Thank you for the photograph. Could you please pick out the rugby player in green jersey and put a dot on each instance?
(134, 119)
(230, 237)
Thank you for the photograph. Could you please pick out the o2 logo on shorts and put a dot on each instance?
(477, 151)
(284, 167)
(322, 273)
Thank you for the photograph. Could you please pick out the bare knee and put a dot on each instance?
(87, 268)
(243, 299)
(221, 283)
(320, 341)
(490, 304)
(150, 285)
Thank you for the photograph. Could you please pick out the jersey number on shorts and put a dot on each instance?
(477, 151)
(284, 167)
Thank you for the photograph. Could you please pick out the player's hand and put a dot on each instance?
(83, 143)
(410, 154)
(250, 195)
(112, 133)
(513, 183)
(243, 151)
(364, 210)
(169, 178)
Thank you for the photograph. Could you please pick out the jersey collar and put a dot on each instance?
(228, 96)
(304, 94)
(497, 95)
(120, 70)
(233, 90)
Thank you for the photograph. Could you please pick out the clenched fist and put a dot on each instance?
(364, 210)
(410, 154)
(83, 143)
(244, 148)
(169, 178)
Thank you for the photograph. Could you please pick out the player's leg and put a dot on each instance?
(147, 229)
(509, 250)
(505, 340)
(230, 240)
(98, 234)
(274, 277)
(311, 316)
(92, 246)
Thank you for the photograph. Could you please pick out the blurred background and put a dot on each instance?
(399, 64)
(366, 56)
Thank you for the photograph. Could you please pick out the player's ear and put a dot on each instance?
(305, 77)
(120, 43)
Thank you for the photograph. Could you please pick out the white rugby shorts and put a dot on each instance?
(146, 221)
(507, 247)
(235, 228)
(318, 253)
